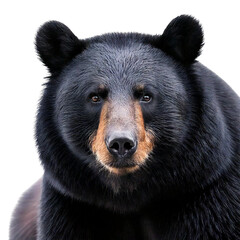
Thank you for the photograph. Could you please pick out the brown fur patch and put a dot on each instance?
(122, 171)
(97, 141)
(140, 87)
(99, 148)
(24, 221)
(145, 137)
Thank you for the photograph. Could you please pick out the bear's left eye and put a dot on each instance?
(146, 98)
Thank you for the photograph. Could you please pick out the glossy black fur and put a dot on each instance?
(189, 187)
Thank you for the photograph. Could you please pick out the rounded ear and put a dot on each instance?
(182, 39)
(57, 45)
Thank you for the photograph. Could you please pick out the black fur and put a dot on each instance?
(189, 187)
(57, 45)
(183, 39)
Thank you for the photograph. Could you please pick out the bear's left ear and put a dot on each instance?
(182, 39)
(57, 45)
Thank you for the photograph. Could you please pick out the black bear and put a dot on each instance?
(138, 140)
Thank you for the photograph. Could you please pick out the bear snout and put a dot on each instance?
(121, 145)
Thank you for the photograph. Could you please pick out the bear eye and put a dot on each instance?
(95, 98)
(146, 98)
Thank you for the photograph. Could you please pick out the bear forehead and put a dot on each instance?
(133, 53)
(128, 62)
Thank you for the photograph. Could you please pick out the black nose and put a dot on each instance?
(122, 146)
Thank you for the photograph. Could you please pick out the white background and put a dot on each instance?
(22, 74)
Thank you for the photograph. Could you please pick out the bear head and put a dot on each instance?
(116, 111)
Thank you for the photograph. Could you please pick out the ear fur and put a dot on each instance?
(57, 45)
(182, 39)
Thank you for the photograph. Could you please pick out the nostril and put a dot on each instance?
(128, 145)
(114, 146)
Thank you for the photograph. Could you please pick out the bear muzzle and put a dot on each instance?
(121, 143)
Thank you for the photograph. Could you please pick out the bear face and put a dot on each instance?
(120, 81)
(121, 115)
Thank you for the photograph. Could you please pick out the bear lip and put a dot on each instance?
(123, 170)
(120, 163)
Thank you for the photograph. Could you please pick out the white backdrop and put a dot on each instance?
(22, 74)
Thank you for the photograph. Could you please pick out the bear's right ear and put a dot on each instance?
(57, 45)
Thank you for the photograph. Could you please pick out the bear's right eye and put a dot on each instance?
(95, 98)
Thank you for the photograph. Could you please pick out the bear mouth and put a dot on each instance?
(122, 163)
(118, 167)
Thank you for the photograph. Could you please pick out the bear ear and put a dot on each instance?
(182, 39)
(57, 45)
